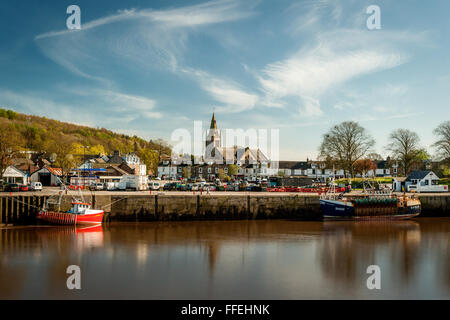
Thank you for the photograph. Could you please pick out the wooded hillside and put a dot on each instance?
(65, 141)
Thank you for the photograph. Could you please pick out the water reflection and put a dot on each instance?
(228, 259)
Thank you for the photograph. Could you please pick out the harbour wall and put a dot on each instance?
(172, 206)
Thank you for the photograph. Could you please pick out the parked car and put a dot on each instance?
(23, 187)
(210, 187)
(111, 186)
(170, 186)
(12, 187)
(195, 187)
(96, 187)
(36, 186)
(155, 186)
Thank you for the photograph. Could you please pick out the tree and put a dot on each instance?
(10, 142)
(404, 146)
(221, 174)
(187, 172)
(374, 156)
(442, 145)
(346, 143)
(232, 170)
(78, 149)
(363, 166)
(63, 155)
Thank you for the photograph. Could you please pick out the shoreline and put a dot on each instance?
(21, 208)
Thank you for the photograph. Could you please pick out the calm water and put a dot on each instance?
(229, 260)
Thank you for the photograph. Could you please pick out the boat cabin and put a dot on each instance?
(80, 207)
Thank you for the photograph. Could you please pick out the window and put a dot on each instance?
(200, 170)
(209, 170)
(217, 170)
(426, 182)
(225, 170)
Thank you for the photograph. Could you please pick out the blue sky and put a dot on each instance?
(150, 67)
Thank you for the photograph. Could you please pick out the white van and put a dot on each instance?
(36, 186)
(155, 186)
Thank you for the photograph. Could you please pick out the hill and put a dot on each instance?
(65, 142)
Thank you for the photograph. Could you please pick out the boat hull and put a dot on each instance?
(340, 210)
(64, 218)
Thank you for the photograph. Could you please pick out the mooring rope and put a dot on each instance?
(106, 205)
(17, 200)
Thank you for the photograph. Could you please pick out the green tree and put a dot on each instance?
(221, 174)
(233, 170)
(187, 172)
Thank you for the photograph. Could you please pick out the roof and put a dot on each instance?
(286, 164)
(418, 175)
(55, 171)
(213, 122)
(293, 165)
(381, 164)
(13, 171)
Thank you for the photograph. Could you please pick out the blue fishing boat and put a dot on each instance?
(369, 205)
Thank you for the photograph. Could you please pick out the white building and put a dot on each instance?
(14, 175)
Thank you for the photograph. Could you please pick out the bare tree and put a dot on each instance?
(404, 146)
(442, 145)
(346, 143)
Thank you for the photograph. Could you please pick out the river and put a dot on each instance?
(229, 260)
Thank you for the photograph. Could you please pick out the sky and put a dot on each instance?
(148, 68)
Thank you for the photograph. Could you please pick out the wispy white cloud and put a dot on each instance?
(34, 103)
(147, 40)
(229, 95)
(310, 73)
(211, 12)
(87, 108)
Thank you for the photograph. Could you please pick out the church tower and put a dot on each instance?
(213, 138)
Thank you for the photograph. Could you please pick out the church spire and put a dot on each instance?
(213, 122)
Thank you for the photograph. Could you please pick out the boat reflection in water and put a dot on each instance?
(78, 238)
(229, 260)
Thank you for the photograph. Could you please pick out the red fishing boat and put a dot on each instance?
(81, 213)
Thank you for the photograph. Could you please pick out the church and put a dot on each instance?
(239, 155)
(215, 162)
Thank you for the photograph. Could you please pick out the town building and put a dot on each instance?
(216, 160)
(419, 181)
(48, 176)
(13, 174)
